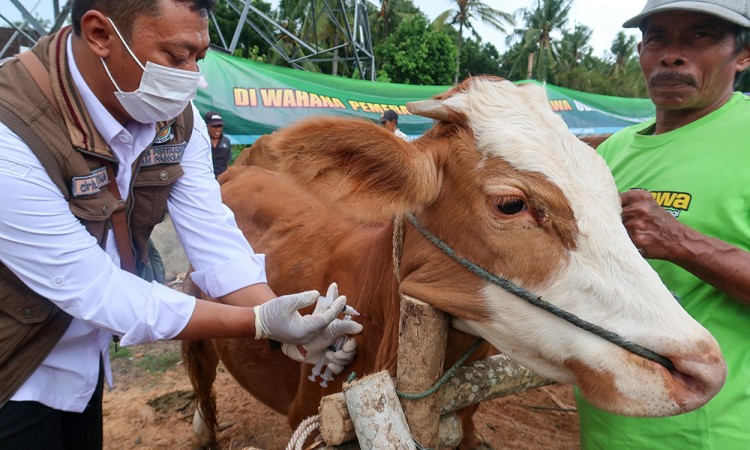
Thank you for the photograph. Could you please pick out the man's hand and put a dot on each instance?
(324, 341)
(279, 318)
(651, 228)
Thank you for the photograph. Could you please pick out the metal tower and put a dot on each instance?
(29, 29)
(299, 41)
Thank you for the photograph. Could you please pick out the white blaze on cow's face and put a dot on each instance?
(598, 274)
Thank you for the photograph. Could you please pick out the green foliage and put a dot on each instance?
(479, 59)
(236, 150)
(252, 53)
(415, 54)
(536, 50)
(569, 61)
(464, 15)
(390, 15)
(744, 83)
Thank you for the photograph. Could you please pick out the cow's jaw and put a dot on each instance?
(633, 306)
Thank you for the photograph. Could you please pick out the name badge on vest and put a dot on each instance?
(163, 154)
(90, 184)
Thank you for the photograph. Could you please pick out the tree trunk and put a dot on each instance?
(335, 63)
(459, 43)
(530, 66)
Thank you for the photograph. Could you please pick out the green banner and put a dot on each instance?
(256, 99)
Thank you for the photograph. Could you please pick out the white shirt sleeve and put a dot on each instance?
(218, 251)
(52, 253)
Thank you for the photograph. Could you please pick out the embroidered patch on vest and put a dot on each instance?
(164, 135)
(90, 184)
(163, 154)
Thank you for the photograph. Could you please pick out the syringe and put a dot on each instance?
(328, 375)
(325, 303)
(317, 368)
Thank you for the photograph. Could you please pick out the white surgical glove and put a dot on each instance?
(343, 357)
(279, 319)
(324, 341)
(324, 303)
(327, 339)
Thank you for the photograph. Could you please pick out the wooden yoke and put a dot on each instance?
(423, 334)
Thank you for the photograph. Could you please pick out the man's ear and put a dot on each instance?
(97, 32)
(743, 59)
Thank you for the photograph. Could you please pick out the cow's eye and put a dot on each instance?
(511, 205)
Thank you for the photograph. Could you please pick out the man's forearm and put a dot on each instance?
(249, 296)
(723, 266)
(216, 320)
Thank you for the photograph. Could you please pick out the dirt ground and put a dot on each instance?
(151, 407)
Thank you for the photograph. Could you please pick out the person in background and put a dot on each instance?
(98, 138)
(685, 196)
(221, 148)
(389, 121)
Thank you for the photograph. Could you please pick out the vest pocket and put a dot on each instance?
(19, 310)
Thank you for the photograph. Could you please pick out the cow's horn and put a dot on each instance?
(434, 109)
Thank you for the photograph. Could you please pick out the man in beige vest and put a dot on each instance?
(97, 141)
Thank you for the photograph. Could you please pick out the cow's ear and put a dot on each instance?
(363, 169)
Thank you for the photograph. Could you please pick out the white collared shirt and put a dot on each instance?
(53, 254)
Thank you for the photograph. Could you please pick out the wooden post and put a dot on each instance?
(451, 430)
(423, 335)
(336, 426)
(376, 413)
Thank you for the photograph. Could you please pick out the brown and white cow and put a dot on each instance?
(502, 181)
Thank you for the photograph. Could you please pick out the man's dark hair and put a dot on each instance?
(124, 12)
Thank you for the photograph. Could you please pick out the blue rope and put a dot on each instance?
(446, 376)
(537, 300)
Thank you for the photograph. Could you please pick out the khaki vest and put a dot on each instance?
(74, 155)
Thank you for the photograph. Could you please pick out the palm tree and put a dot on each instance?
(541, 22)
(385, 20)
(574, 46)
(622, 48)
(464, 15)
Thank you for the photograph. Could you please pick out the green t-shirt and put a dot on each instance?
(701, 174)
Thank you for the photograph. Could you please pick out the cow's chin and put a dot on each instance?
(638, 387)
(644, 388)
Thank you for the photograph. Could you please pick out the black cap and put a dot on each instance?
(213, 118)
(388, 115)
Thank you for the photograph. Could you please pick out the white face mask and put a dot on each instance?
(164, 91)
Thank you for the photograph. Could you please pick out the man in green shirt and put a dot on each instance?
(685, 183)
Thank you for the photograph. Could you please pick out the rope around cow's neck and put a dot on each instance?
(536, 300)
